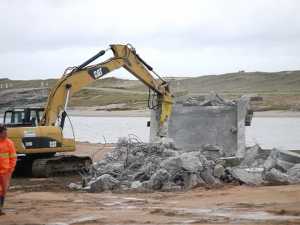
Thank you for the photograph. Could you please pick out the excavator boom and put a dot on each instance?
(81, 76)
(44, 139)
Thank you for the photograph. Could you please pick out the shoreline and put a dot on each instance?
(106, 113)
(146, 113)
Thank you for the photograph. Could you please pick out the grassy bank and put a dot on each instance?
(280, 90)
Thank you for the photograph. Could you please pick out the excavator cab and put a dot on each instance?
(22, 117)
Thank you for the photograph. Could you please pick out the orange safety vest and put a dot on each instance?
(8, 156)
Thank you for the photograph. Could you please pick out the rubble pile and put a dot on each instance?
(267, 167)
(211, 100)
(146, 167)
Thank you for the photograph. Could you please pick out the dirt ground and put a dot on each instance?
(49, 201)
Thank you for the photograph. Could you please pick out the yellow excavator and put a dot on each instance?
(38, 132)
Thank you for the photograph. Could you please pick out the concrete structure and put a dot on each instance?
(214, 122)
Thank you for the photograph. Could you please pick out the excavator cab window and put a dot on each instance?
(27, 117)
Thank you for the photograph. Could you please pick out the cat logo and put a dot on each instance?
(98, 72)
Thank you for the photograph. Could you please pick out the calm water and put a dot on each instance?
(109, 129)
(268, 132)
(274, 132)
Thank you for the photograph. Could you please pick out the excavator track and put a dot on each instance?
(59, 165)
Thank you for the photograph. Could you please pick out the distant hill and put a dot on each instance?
(280, 90)
(243, 82)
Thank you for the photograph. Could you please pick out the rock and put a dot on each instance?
(136, 185)
(283, 165)
(271, 160)
(113, 169)
(146, 167)
(146, 171)
(193, 181)
(248, 176)
(74, 186)
(170, 186)
(229, 161)
(212, 152)
(172, 165)
(158, 179)
(219, 171)
(294, 171)
(209, 179)
(169, 153)
(281, 159)
(254, 157)
(289, 156)
(104, 183)
(276, 177)
(191, 162)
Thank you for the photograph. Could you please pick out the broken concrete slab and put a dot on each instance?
(281, 159)
(229, 161)
(260, 167)
(276, 177)
(250, 176)
(254, 156)
(104, 183)
(215, 122)
(294, 171)
(219, 171)
(158, 179)
(289, 156)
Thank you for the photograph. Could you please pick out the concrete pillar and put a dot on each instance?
(242, 108)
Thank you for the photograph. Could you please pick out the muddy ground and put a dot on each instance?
(49, 201)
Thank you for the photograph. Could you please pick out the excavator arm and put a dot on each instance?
(124, 56)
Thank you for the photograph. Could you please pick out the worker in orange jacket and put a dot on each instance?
(8, 158)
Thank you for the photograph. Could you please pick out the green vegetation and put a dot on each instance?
(279, 90)
(93, 97)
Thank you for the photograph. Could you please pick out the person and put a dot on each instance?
(8, 159)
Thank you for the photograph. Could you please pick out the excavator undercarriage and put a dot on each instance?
(49, 166)
(37, 155)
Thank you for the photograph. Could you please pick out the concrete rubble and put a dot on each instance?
(145, 167)
(266, 167)
(210, 150)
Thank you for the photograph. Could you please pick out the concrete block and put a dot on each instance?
(193, 126)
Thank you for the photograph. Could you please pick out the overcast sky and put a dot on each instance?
(39, 39)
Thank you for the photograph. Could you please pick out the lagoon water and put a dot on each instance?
(283, 132)
(268, 132)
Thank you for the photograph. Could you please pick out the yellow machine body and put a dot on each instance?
(40, 139)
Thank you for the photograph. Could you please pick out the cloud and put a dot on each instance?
(41, 38)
